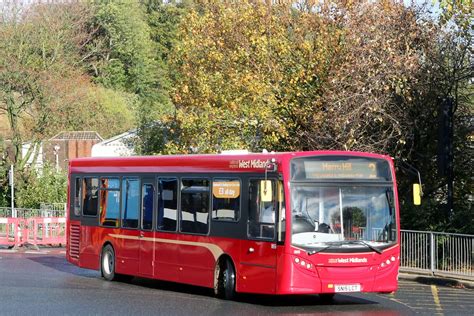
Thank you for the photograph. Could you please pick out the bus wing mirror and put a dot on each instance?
(266, 191)
(416, 194)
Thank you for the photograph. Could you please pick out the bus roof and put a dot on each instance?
(250, 162)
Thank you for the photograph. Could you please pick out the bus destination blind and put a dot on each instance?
(340, 169)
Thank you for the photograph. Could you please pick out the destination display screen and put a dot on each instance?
(226, 189)
(314, 168)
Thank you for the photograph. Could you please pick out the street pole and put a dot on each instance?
(56, 154)
(12, 185)
(446, 149)
(450, 164)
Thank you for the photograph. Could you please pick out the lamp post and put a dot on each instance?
(11, 178)
(56, 155)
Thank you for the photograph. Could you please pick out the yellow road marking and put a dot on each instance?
(434, 291)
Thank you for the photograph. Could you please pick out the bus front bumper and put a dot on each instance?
(308, 279)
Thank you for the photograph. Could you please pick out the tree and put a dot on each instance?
(32, 189)
(447, 73)
(244, 69)
(122, 56)
(458, 12)
(258, 76)
(37, 49)
(361, 107)
(43, 87)
(163, 18)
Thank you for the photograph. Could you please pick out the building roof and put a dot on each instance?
(120, 145)
(118, 139)
(78, 135)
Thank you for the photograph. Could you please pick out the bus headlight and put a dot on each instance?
(388, 261)
(304, 265)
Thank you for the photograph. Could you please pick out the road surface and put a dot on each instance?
(44, 283)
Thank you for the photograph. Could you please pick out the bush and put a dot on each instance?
(34, 188)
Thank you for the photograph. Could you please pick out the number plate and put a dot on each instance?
(347, 288)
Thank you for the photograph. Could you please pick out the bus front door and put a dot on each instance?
(258, 267)
(258, 252)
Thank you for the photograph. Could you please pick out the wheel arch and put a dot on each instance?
(107, 242)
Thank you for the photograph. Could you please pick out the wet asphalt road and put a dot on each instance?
(46, 284)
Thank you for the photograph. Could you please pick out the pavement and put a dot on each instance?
(29, 249)
(431, 299)
(437, 280)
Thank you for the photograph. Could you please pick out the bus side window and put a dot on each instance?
(226, 199)
(167, 204)
(261, 223)
(109, 202)
(90, 198)
(77, 197)
(130, 202)
(195, 206)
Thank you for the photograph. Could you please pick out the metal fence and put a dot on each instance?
(437, 253)
(28, 212)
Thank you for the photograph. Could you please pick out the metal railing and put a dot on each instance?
(437, 253)
(28, 212)
(53, 206)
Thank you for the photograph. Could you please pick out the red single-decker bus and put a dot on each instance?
(320, 222)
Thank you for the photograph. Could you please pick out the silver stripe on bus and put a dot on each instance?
(214, 249)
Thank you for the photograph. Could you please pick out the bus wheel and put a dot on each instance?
(225, 287)
(326, 297)
(108, 263)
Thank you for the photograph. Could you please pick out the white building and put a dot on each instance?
(118, 146)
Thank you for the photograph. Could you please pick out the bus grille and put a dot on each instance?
(74, 240)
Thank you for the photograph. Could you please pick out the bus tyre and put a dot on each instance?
(225, 287)
(326, 297)
(108, 263)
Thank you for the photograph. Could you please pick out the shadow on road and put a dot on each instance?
(171, 286)
(301, 300)
(254, 299)
(61, 264)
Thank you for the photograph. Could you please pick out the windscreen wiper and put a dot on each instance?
(377, 250)
(310, 253)
(360, 242)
